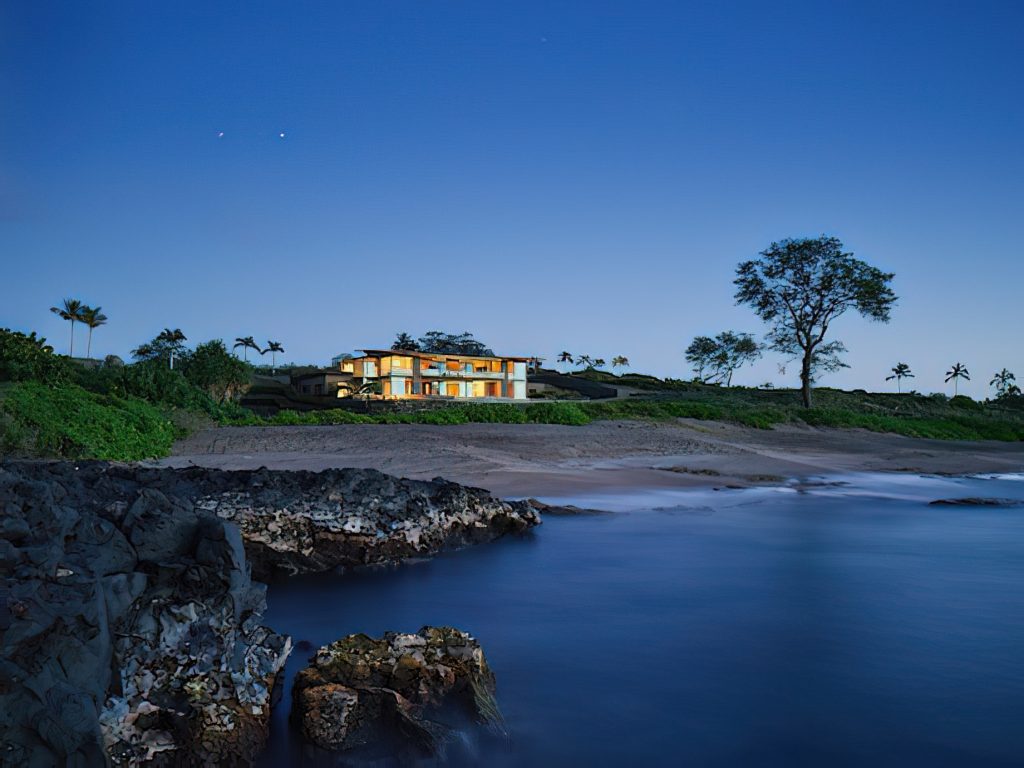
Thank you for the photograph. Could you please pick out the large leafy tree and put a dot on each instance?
(463, 343)
(405, 342)
(216, 371)
(900, 371)
(92, 318)
(800, 287)
(701, 355)
(70, 310)
(717, 359)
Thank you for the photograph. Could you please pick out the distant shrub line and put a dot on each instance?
(956, 427)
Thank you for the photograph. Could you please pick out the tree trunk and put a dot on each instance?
(805, 379)
(88, 345)
(71, 350)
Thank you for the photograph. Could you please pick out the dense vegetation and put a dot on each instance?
(50, 406)
(911, 415)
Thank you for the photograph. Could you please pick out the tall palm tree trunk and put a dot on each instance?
(71, 349)
(88, 345)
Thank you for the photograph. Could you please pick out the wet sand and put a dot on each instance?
(551, 460)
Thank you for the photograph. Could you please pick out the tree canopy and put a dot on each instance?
(716, 359)
(800, 287)
(463, 343)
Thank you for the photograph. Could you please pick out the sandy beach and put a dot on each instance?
(551, 460)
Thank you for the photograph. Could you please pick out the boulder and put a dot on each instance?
(129, 629)
(405, 691)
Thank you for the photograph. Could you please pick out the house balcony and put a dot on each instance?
(447, 374)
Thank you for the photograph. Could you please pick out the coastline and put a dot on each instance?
(517, 460)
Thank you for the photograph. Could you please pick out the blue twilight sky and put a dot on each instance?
(548, 175)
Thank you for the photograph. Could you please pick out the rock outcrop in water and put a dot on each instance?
(129, 626)
(977, 501)
(404, 690)
(296, 522)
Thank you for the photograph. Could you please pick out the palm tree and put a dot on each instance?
(273, 347)
(92, 318)
(246, 343)
(599, 362)
(173, 339)
(586, 361)
(954, 374)
(1005, 384)
(620, 361)
(565, 357)
(900, 371)
(72, 310)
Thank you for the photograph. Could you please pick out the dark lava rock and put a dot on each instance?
(978, 501)
(566, 510)
(129, 628)
(403, 690)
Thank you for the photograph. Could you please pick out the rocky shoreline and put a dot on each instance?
(130, 626)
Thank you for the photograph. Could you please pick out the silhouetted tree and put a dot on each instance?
(954, 374)
(1005, 384)
(619, 361)
(723, 355)
(800, 287)
(900, 371)
(273, 347)
(71, 310)
(404, 341)
(246, 343)
(92, 318)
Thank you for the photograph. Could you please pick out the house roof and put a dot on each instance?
(408, 353)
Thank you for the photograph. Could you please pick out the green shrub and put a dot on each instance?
(28, 358)
(71, 422)
(339, 416)
(557, 413)
(493, 413)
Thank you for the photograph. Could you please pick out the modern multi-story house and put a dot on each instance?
(403, 374)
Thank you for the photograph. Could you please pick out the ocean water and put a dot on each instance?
(833, 624)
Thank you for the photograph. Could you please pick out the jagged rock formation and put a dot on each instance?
(405, 690)
(129, 626)
(295, 522)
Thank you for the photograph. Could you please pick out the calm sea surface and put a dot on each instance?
(835, 625)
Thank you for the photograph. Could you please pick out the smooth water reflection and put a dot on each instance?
(822, 625)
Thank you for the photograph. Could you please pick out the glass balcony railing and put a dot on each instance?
(461, 374)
